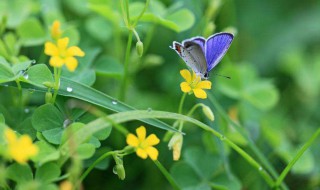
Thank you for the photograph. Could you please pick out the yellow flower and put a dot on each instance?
(20, 149)
(194, 84)
(144, 146)
(61, 55)
(55, 30)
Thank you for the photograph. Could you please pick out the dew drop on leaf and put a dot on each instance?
(69, 89)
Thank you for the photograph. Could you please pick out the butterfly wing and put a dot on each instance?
(192, 52)
(216, 47)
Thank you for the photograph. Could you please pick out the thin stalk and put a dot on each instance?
(141, 14)
(194, 108)
(88, 170)
(56, 73)
(181, 102)
(245, 155)
(126, 64)
(296, 158)
(127, 12)
(250, 142)
(180, 109)
(136, 34)
(126, 22)
(166, 174)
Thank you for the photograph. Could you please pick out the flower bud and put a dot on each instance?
(139, 47)
(175, 144)
(120, 171)
(55, 30)
(48, 97)
(208, 112)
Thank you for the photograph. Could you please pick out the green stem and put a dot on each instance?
(101, 114)
(136, 34)
(166, 174)
(84, 175)
(180, 109)
(181, 102)
(296, 158)
(126, 63)
(245, 155)
(194, 108)
(56, 73)
(127, 12)
(126, 22)
(141, 14)
(250, 142)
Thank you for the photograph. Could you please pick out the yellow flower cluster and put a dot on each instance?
(144, 145)
(59, 51)
(193, 84)
(20, 149)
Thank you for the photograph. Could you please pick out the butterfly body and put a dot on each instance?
(202, 55)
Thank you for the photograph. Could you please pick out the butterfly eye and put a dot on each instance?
(206, 75)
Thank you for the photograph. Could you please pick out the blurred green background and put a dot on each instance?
(274, 63)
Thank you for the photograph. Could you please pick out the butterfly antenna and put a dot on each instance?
(222, 76)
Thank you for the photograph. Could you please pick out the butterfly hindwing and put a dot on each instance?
(216, 47)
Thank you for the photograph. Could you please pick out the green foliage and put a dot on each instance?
(264, 121)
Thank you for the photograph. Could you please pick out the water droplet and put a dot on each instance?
(114, 102)
(33, 61)
(26, 76)
(149, 109)
(66, 123)
(222, 137)
(69, 89)
(26, 110)
(114, 170)
(260, 168)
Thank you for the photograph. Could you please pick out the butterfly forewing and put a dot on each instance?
(216, 47)
(192, 55)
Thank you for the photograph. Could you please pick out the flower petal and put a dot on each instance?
(71, 63)
(152, 152)
(199, 93)
(185, 87)
(195, 78)
(204, 84)
(75, 51)
(152, 140)
(132, 140)
(56, 61)
(141, 133)
(63, 43)
(186, 75)
(142, 153)
(10, 135)
(51, 49)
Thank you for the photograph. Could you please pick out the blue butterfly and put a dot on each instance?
(202, 55)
